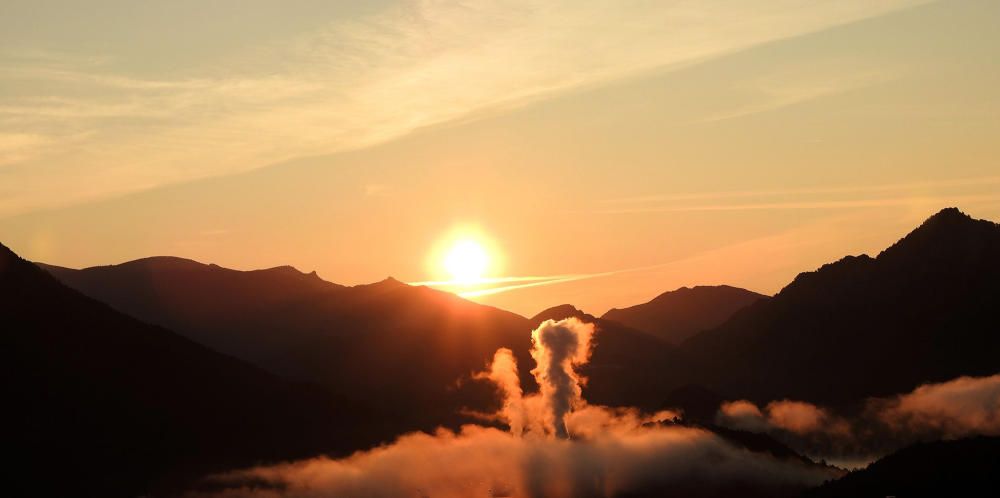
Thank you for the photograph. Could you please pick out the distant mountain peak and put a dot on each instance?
(678, 314)
(387, 283)
(559, 312)
(949, 214)
(288, 269)
(160, 261)
(6, 252)
(391, 282)
(949, 233)
(943, 222)
(923, 310)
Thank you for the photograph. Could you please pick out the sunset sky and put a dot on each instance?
(599, 153)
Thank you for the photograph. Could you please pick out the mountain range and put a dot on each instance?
(862, 326)
(398, 349)
(414, 346)
(210, 367)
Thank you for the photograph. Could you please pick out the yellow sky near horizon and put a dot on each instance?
(628, 151)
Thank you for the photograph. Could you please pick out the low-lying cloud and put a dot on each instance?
(796, 417)
(489, 462)
(961, 407)
(558, 446)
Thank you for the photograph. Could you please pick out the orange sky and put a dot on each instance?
(614, 153)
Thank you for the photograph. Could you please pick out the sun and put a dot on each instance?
(466, 261)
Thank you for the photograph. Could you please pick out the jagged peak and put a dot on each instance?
(385, 283)
(943, 229)
(558, 313)
(943, 221)
(391, 282)
(949, 213)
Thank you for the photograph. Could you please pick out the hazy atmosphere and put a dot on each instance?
(500, 248)
(671, 143)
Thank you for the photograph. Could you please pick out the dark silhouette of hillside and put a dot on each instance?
(679, 314)
(919, 312)
(757, 442)
(404, 351)
(627, 366)
(397, 348)
(698, 404)
(924, 310)
(226, 310)
(966, 467)
(99, 404)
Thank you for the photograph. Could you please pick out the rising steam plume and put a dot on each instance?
(558, 446)
(503, 373)
(559, 348)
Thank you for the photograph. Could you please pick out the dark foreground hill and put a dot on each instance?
(679, 314)
(99, 404)
(966, 467)
(924, 310)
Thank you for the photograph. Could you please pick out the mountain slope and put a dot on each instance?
(100, 404)
(399, 348)
(966, 467)
(223, 309)
(627, 366)
(924, 310)
(403, 350)
(679, 314)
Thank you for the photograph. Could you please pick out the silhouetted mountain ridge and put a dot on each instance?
(923, 310)
(858, 327)
(679, 314)
(100, 404)
(411, 345)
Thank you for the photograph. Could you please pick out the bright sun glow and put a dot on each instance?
(466, 261)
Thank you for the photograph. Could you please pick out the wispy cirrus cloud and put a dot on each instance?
(16, 147)
(939, 192)
(798, 84)
(353, 83)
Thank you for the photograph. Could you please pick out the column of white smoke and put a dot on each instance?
(557, 348)
(503, 373)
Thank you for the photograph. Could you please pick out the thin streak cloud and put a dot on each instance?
(832, 204)
(804, 84)
(958, 182)
(538, 281)
(491, 280)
